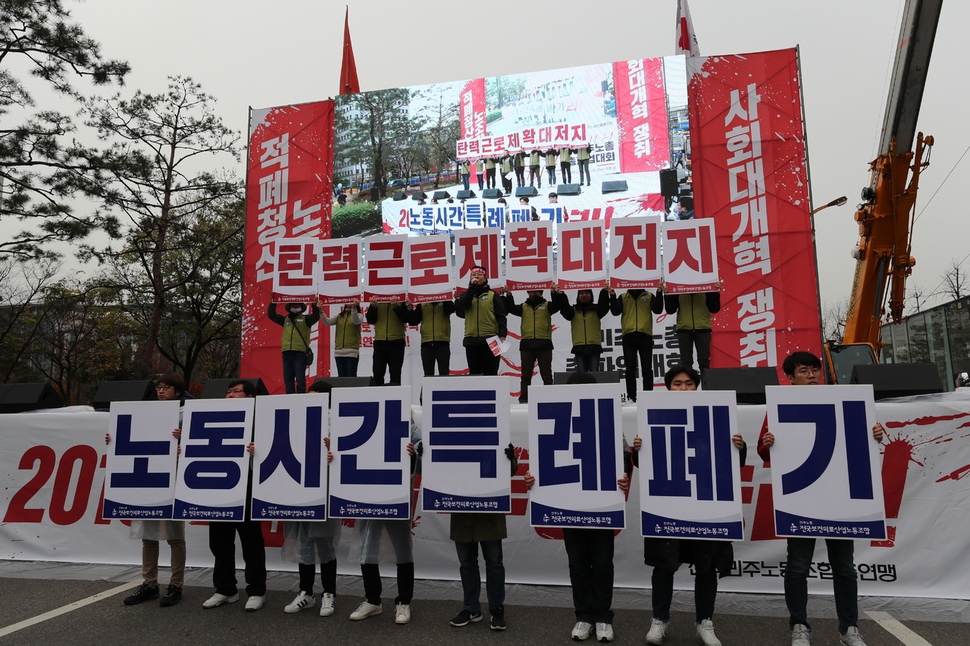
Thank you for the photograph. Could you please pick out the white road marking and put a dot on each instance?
(26, 623)
(897, 629)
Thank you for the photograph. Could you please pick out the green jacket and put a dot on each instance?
(585, 321)
(693, 310)
(347, 333)
(389, 321)
(536, 316)
(484, 314)
(296, 327)
(636, 308)
(435, 321)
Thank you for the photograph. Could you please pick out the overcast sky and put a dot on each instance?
(263, 54)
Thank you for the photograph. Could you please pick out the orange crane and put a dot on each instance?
(885, 216)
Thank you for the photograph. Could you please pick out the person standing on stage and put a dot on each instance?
(636, 309)
(551, 166)
(479, 173)
(535, 345)
(346, 338)
(694, 325)
(565, 159)
(582, 160)
(295, 342)
(389, 321)
(535, 169)
(485, 317)
(435, 322)
(585, 319)
(490, 172)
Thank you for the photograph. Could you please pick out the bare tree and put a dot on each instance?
(833, 320)
(918, 297)
(954, 284)
(22, 312)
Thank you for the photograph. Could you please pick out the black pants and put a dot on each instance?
(371, 573)
(328, 577)
(705, 585)
(590, 553)
(434, 352)
(480, 360)
(490, 177)
(529, 359)
(535, 174)
(520, 176)
(637, 345)
(551, 171)
(687, 340)
(566, 172)
(584, 169)
(222, 544)
(389, 356)
(587, 362)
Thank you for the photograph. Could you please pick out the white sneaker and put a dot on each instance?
(217, 600)
(705, 633)
(852, 637)
(657, 632)
(581, 631)
(302, 602)
(365, 610)
(326, 604)
(604, 632)
(402, 613)
(254, 603)
(801, 635)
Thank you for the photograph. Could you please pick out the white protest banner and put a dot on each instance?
(576, 456)
(370, 472)
(582, 255)
(421, 218)
(339, 280)
(466, 431)
(635, 253)
(528, 255)
(553, 213)
(296, 268)
(690, 473)
(213, 472)
(495, 215)
(689, 256)
(481, 247)
(825, 466)
(520, 213)
(290, 459)
(449, 218)
(429, 278)
(385, 268)
(140, 467)
(474, 215)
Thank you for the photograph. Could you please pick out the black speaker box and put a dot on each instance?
(216, 388)
(526, 191)
(123, 391)
(492, 193)
(420, 195)
(669, 186)
(569, 189)
(441, 195)
(898, 379)
(18, 398)
(617, 186)
(345, 382)
(465, 195)
(609, 377)
(399, 195)
(748, 383)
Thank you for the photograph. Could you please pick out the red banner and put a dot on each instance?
(472, 106)
(289, 194)
(750, 174)
(641, 115)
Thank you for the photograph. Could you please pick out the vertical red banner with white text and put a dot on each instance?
(750, 175)
(289, 194)
(472, 109)
(641, 115)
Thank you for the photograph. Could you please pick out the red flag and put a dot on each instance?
(348, 68)
(686, 38)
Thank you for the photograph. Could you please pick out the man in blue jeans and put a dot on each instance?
(804, 369)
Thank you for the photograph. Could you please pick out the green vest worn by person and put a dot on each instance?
(388, 326)
(347, 333)
(693, 310)
(435, 320)
(636, 311)
(296, 327)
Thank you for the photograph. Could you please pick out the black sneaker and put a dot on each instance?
(466, 617)
(142, 593)
(497, 621)
(172, 596)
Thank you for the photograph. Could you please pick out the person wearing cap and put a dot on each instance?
(585, 319)
(295, 342)
(485, 317)
(535, 345)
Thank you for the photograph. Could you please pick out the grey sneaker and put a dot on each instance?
(705, 633)
(801, 635)
(604, 632)
(852, 637)
(581, 631)
(365, 610)
(217, 600)
(326, 604)
(657, 632)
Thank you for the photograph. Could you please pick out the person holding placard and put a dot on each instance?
(390, 322)
(805, 369)
(535, 172)
(535, 345)
(694, 325)
(551, 156)
(590, 555)
(711, 559)
(585, 320)
(435, 322)
(295, 342)
(636, 309)
(485, 317)
(168, 387)
(346, 338)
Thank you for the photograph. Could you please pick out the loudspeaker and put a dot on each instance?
(465, 195)
(17, 398)
(399, 195)
(669, 186)
(216, 388)
(748, 383)
(617, 186)
(611, 377)
(569, 189)
(898, 379)
(492, 193)
(420, 195)
(123, 391)
(345, 382)
(441, 195)
(526, 191)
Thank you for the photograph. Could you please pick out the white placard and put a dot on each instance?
(339, 280)
(295, 272)
(385, 268)
(482, 247)
(528, 255)
(429, 275)
(690, 256)
(635, 253)
(582, 255)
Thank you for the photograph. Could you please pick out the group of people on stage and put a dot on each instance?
(589, 551)
(485, 313)
(516, 164)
